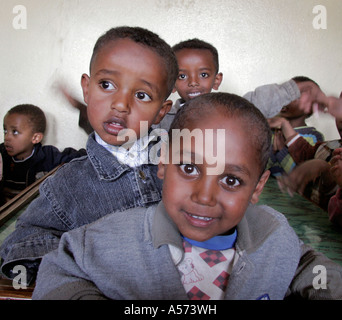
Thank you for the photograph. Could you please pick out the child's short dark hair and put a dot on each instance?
(34, 114)
(198, 44)
(146, 38)
(299, 79)
(230, 105)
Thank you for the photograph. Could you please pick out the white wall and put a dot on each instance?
(259, 42)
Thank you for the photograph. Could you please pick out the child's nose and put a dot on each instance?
(193, 81)
(120, 102)
(204, 192)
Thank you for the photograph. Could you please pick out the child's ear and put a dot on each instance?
(163, 160)
(85, 86)
(161, 170)
(163, 111)
(37, 137)
(260, 187)
(218, 80)
(174, 90)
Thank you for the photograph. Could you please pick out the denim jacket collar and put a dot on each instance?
(105, 164)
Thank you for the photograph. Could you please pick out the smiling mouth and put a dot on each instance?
(194, 94)
(200, 218)
(198, 221)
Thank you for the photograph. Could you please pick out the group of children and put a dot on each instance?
(107, 227)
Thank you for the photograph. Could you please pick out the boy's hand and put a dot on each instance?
(301, 175)
(334, 107)
(276, 122)
(283, 132)
(310, 95)
(83, 118)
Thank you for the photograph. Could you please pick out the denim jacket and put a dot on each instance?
(80, 192)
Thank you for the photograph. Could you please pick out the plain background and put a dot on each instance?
(259, 42)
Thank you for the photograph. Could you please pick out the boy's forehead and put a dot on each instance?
(126, 45)
(192, 53)
(217, 141)
(17, 119)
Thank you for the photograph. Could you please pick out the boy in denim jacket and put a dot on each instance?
(132, 73)
(207, 238)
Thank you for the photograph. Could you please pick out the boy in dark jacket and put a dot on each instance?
(24, 159)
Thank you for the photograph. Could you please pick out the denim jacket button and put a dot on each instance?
(142, 175)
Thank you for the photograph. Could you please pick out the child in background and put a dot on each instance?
(288, 125)
(198, 64)
(132, 73)
(312, 176)
(207, 238)
(24, 158)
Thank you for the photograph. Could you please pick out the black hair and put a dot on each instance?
(299, 79)
(230, 105)
(35, 116)
(146, 38)
(198, 44)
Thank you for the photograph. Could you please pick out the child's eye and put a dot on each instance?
(204, 75)
(181, 76)
(106, 85)
(15, 132)
(143, 96)
(231, 182)
(189, 169)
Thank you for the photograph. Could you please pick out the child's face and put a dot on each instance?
(197, 73)
(19, 138)
(292, 111)
(128, 84)
(204, 206)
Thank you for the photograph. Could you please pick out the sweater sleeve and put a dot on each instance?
(317, 277)
(62, 275)
(269, 99)
(301, 150)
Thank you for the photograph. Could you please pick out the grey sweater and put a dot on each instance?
(126, 255)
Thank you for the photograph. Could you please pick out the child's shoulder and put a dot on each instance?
(128, 226)
(264, 226)
(266, 215)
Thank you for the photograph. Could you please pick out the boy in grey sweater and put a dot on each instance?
(207, 238)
